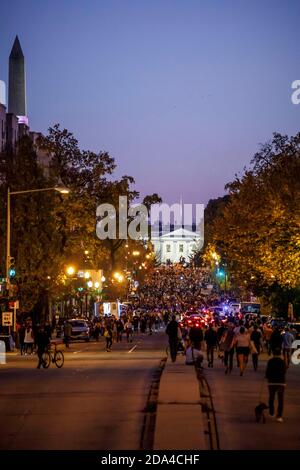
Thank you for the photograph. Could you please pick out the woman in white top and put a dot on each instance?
(242, 342)
(28, 340)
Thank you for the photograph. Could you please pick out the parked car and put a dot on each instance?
(80, 329)
(278, 323)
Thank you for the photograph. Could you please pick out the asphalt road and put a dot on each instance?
(235, 398)
(95, 401)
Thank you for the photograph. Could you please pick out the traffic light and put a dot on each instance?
(12, 268)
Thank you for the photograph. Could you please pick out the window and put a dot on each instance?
(180, 248)
(168, 248)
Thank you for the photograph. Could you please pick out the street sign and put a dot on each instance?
(7, 319)
(13, 304)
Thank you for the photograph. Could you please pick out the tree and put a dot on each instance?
(258, 229)
(51, 231)
(33, 229)
(212, 211)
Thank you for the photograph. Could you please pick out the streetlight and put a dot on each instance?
(70, 270)
(61, 189)
(119, 277)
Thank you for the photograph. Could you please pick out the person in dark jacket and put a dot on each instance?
(21, 338)
(211, 339)
(196, 337)
(275, 374)
(42, 341)
(172, 332)
(67, 333)
(276, 340)
(256, 337)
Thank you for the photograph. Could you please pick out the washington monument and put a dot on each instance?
(16, 82)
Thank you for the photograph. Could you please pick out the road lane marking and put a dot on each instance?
(76, 352)
(132, 349)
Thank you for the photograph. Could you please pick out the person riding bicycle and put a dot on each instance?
(42, 342)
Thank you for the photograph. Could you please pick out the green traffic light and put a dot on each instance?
(12, 272)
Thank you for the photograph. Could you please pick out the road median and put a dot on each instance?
(179, 421)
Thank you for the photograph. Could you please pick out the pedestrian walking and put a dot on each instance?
(129, 331)
(21, 334)
(211, 339)
(242, 340)
(172, 332)
(287, 342)
(28, 340)
(67, 333)
(267, 333)
(227, 346)
(276, 340)
(108, 337)
(256, 339)
(196, 337)
(97, 330)
(120, 329)
(275, 374)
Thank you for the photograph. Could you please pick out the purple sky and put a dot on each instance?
(181, 93)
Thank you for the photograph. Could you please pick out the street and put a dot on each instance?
(235, 398)
(95, 401)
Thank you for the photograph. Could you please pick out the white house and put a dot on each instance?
(173, 246)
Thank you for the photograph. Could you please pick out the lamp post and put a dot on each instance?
(60, 189)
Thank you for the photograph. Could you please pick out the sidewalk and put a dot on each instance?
(179, 422)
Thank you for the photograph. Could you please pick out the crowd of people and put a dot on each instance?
(176, 290)
(168, 293)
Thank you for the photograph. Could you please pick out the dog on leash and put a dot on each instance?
(260, 412)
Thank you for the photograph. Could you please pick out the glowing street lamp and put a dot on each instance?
(103, 279)
(87, 275)
(70, 270)
(90, 284)
(136, 253)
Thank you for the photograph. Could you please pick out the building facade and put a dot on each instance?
(2, 128)
(175, 246)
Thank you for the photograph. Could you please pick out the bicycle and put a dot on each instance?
(54, 356)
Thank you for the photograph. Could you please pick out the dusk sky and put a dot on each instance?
(181, 93)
